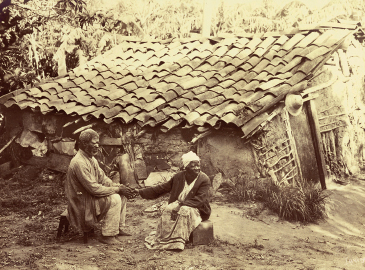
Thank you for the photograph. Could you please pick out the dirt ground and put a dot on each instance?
(246, 235)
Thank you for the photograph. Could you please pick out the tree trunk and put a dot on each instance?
(126, 172)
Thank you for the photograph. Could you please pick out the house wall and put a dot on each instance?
(159, 150)
(275, 151)
(341, 109)
(227, 154)
(168, 147)
(221, 152)
(13, 124)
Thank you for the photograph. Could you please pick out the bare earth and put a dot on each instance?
(246, 236)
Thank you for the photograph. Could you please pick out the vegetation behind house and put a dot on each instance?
(46, 38)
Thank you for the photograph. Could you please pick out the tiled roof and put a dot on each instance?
(199, 82)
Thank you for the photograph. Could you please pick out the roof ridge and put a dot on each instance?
(342, 24)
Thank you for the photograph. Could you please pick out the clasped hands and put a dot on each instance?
(128, 192)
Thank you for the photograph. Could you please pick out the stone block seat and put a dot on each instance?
(64, 225)
(203, 234)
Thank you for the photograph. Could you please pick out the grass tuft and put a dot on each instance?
(305, 202)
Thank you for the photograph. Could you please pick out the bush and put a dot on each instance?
(305, 202)
(246, 188)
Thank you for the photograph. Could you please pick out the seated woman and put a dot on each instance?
(188, 205)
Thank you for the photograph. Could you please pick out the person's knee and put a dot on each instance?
(115, 200)
(185, 210)
(172, 206)
(123, 199)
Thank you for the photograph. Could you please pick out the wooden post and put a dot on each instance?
(317, 141)
(9, 142)
(125, 171)
(207, 18)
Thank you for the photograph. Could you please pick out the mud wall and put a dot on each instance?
(39, 135)
(275, 151)
(228, 155)
(159, 147)
(341, 109)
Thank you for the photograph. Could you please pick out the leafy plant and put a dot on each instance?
(70, 5)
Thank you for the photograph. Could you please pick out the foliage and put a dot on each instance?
(72, 6)
(249, 189)
(46, 38)
(23, 60)
(305, 202)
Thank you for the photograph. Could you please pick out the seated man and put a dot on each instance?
(188, 205)
(91, 195)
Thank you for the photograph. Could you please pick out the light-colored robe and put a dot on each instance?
(87, 189)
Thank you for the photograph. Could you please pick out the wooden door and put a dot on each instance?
(305, 145)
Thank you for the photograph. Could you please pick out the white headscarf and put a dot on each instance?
(189, 157)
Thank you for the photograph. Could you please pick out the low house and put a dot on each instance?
(224, 97)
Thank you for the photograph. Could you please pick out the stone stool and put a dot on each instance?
(64, 224)
(203, 234)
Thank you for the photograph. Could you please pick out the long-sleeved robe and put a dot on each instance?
(198, 197)
(88, 190)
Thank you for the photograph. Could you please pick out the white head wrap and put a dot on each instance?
(189, 157)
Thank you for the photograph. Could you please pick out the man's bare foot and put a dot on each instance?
(122, 233)
(110, 240)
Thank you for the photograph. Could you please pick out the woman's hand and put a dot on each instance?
(136, 192)
(174, 212)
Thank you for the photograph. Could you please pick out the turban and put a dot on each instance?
(188, 157)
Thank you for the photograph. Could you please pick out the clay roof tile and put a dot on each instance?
(317, 53)
(292, 42)
(308, 39)
(239, 85)
(206, 95)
